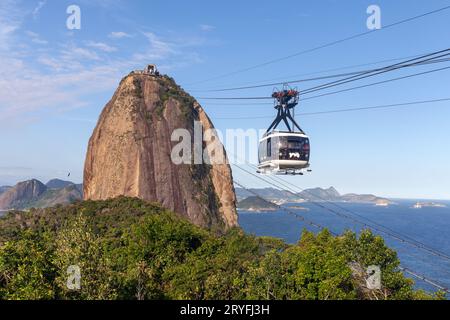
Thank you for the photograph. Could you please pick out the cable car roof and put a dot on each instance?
(277, 133)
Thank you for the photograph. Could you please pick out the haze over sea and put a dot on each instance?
(429, 225)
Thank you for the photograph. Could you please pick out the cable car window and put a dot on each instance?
(262, 151)
(294, 148)
(269, 147)
(296, 142)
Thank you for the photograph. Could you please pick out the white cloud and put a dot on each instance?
(101, 46)
(35, 81)
(38, 8)
(119, 35)
(51, 62)
(75, 53)
(10, 21)
(206, 27)
(35, 38)
(158, 49)
(36, 92)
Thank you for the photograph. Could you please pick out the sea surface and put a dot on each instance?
(429, 225)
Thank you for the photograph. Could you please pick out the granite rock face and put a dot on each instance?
(22, 194)
(129, 153)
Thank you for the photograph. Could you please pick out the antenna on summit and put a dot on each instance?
(150, 70)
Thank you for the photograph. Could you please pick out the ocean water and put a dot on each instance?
(429, 225)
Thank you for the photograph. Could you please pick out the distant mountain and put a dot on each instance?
(254, 203)
(3, 189)
(319, 194)
(352, 197)
(22, 195)
(266, 193)
(52, 197)
(33, 193)
(58, 184)
(79, 186)
(314, 194)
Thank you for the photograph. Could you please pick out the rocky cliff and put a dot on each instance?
(34, 194)
(129, 153)
(22, 194)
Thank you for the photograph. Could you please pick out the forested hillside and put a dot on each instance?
(129, 249)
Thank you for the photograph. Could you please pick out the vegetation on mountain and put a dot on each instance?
(58, 184)
(130, 249)
(254, 203)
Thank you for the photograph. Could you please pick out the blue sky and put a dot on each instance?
(54, 82)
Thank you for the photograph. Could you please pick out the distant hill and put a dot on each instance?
(22, 195)
(313, 194)
(266, 193)
(3, 189)
(33, 193)
(79, 186)
(58, 184)
(52, 197)
(351, 197)
(254, 203)
(319, 194)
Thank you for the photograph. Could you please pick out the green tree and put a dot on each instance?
(215, 270)
(77, 245)
(309, 270)
(129, 249)
(370, 249)
(26, 268)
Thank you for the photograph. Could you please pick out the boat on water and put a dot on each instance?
(420, 205)
(381, 204)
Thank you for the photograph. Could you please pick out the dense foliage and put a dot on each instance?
(129, 249)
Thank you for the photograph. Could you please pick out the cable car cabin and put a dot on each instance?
(283, 152)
